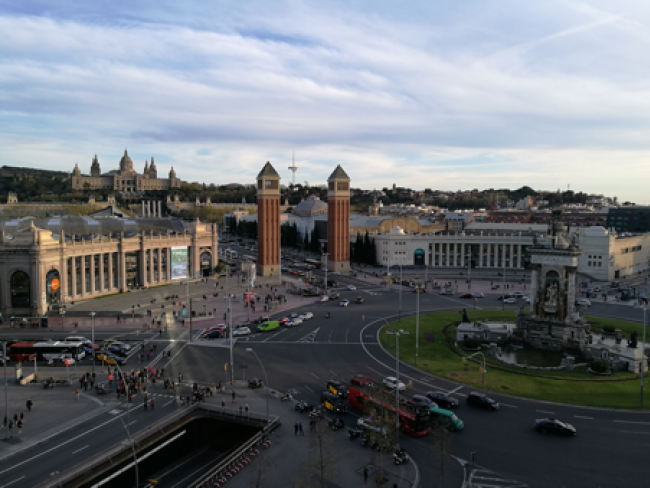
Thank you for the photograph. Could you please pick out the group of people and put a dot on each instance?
(17, 421)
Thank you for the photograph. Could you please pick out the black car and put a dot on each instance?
(423, 400)
(335, 296)
(118, 351)
(215, 334)
(442, 399)
(337, 388)
(481, 400)
(554, 426)
(303, 406)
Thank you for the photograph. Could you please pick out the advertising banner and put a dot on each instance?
(179, 263)
(252, 275)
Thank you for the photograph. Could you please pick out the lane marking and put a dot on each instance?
(12, 482)
(509, 406)
(80, 449)
(583, 417)
(315, 376)
(332, 372)
(131, 423)
(634, 432)
(309, 389)
(170, 401)
(545, 411)
(451, 392)
(631, 422)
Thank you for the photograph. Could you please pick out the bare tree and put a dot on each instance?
(263, 465)
(382, 435)
(442, 448)
(321, 458)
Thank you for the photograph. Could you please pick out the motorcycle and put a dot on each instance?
(255, 383)
(335, 424)
(316, 414)
(303, 406)
(286, 397)
(354, 433)
(100, 389)
(400, 456)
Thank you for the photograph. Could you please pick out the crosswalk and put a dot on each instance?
(476, 476)
(309, 337)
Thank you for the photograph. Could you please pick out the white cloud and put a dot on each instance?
(429, 98)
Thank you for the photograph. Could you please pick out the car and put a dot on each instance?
(215, 334)
(478, 294)
(307, 316)
(391, 382)
(370, 423)
(117, 351)
(597, 289)
(583, 302)
(113, 342)
(352, 287)
(300, 273)
(242, 331)
(446, 292)
(284, 320)
(359, 300)
(58, 360)
(293, 272)
(467, 295)
(332, 402)
(446, 419)
(303, 406)
(344, 303)
(480, 400)
(442, 399)
(335, 273)
(324, 298)
(294, 322)
(76, 339)
(510, 300)
(422, 400)
(110, 359)
(517, 294)
(335, 295)
(337, 388)
(554, 426)
(504, 297)
(269, 326)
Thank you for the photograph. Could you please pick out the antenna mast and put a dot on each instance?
(293, 168)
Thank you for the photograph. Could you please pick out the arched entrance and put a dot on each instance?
(418, 257)
(206, 259)
(53, 287)
(20, 290)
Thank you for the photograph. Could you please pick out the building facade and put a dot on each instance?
(629, 219)
(40, 271)
(125, 179)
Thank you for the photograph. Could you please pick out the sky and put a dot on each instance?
(444, 95)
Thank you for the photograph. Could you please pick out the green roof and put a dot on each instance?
(268, 170)
(339, 174)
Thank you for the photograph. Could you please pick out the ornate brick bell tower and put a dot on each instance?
(268, 222)
(338, 221)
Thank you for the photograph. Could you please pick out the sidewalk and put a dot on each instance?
(284, 464)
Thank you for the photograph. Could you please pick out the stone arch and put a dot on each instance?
(20, 285)
(419, 257)
(205, 260)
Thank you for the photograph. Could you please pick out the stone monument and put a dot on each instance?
(553, 322)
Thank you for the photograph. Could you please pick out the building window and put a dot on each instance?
(87, 277)
(105, 271)
(20, 290)
(98, 272)
(114, 266)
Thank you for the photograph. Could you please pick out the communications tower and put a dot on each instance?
(293, 169)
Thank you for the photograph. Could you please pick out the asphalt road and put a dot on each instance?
(609, 450)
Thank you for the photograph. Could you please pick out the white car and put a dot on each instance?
(324, 298)
(517, 294)
(391, 381)
(241, 331)
(583, 302)
(76, 339)
(334, 273)
(344, 303)
(510, 300)
(307, 316)
(294, 322)
(478, 294)
(352, 287)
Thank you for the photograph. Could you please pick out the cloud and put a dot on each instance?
(439, 96)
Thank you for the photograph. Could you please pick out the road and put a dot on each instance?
(611, 445)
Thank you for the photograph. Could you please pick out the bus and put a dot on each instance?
(414, 418)
(22, 351)
(314, 262)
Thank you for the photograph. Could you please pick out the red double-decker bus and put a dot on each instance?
(414, 419)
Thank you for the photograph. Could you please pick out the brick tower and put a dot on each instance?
(268, 222)
(338, 220)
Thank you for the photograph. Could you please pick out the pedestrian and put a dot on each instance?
(246, 409)
(15, 418)
(180, 378)
(295, 428)
(29, 405)
(240, 411)
(77, 393)
(145, 404)
(21, 416)
(223, 407)
(300, 428)
(365, 475)
(233, 396)
(152, 404)
(19, 424)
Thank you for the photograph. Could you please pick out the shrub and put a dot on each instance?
(600, 366)
(609, 329)
(469, 343)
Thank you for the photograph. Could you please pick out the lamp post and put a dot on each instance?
(397, 334)
(126, 426)
(483, 369)
(266, 382)
(92, 336)
(4, 355)
(418, 290)
(503, 293)
(325, 263)
(645, 309)
(400, 291)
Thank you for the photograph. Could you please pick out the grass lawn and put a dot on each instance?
(437, 359)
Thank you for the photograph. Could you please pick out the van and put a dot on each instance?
(445, 419)
(331, 402)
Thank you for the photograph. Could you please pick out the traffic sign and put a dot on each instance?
(55, 284)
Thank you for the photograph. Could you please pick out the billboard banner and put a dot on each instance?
(179, 263)
(252, 276)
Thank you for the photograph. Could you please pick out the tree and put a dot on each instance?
(383, 435)
(442, 448)
(321, 457)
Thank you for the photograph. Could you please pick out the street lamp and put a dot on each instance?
(266, 382)
(397, 333)
(126, 426)
(418, 290)
(92, 336)
(400, 290)
(645, 310)
(325, 263)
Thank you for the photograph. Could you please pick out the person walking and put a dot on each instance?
(152, 404)
(246, 409)
(365, 475)
(300, 428)
(295, 428)
(223, 406)
(145, 404)
(233, 396)
(77, 393)
(29, 405)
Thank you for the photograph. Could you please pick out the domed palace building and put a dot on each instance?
(125, 179)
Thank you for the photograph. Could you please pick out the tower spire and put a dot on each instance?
(293, 168)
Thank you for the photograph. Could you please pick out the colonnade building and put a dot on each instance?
(43, 268)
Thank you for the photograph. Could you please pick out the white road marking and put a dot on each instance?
(315, 376)
(631, 422)
(506, 405)
(309, 389)
(545, 411)
(131, 423)
(634, 432)
(170, 401)
(332, 372)
(451, 392)
(14, 481)
(80, 449)
(583, 417)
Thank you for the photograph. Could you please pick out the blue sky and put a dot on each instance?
(446, 95)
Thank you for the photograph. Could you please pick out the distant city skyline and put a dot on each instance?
(446, 96)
